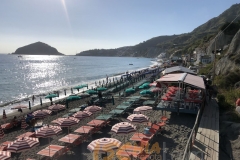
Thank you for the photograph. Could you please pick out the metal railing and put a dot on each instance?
(193, 134)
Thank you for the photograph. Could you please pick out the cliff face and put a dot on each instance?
(37, 48)
(230, 62)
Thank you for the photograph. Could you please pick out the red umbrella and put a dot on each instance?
(93, 109)
(56, 107)
(41, 113)
(22, 144)
(1, 132)
(23, 124)
(4, 155)
(4, 114)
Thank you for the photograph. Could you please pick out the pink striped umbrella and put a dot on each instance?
(1, 132)
(22, 144)
(4, 114)
(23, 124)
(153, 84)
(48, 131)
(123, 128)
(141, 109)
(5, 155)
(137, 118)
(155, 89)
(56, 107)
(93, 109)
(104, 145)
(66, 122)
(41, 113)
(19, 107)
(82, 114)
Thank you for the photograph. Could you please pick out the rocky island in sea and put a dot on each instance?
(37, 48)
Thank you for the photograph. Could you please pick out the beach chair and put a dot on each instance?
(7, 126)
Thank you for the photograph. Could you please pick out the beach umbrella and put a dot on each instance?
(4, 114)
(48, 131)
(130, 90)
(51, 96)
(141, 109)
(104, 145)
(56, 107)
(93, 109)
(19, 107)
(80, 86)
(23, 124)
(29, 105)
(66, 122)
(73, 97)
(123, 128)
(138, 118)
(1, 132)
(155, 89)
(91, 92)
(144, 86)
(82, 114)
(153, 84)
(40, 114)
(101, 89)
(22, 144)
(5, 155)
(144, 92)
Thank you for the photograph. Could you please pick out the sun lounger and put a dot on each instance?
(7, 126)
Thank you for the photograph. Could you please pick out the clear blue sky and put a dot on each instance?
(76, 25)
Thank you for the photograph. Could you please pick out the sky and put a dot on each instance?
(72, 26)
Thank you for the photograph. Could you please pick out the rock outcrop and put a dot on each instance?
(231, 60)
(37, 48)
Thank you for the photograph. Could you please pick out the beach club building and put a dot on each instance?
(184, 93)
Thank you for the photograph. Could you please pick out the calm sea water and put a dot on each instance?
(22, 77)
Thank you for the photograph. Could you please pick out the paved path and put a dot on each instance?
(206, 145)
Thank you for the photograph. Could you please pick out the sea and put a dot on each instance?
(22, 76)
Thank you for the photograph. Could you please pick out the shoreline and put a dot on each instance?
(172, 140)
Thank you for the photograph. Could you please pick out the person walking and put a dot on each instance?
(33, 98)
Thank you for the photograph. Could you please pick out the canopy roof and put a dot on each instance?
(193, 80)
(178, 69)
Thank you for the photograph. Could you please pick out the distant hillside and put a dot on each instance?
(37, 48)
(179, 44)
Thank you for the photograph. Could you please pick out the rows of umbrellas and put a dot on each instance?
(102, 145)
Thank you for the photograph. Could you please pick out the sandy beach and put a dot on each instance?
(172, 140)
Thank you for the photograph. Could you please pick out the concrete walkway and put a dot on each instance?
(206, 144)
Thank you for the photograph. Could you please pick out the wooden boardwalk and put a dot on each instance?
(206, 144)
